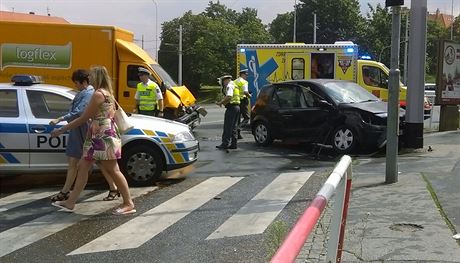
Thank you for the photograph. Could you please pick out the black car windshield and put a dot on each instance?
(168, 82)
(348, 92)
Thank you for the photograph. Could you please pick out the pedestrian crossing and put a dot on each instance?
(251, 219)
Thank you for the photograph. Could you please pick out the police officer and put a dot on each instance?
(149, 99)
(231, 101)
(242, 85)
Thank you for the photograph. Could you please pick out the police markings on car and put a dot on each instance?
(27, 106)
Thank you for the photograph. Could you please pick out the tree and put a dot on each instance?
(336, 20)
(209, 40)
(377, 34)
(456, 26)
(435, 32)
(281, 28)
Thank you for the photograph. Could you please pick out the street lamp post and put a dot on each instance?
(156, 30)
(295, 21)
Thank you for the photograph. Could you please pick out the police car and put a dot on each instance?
(26, 108)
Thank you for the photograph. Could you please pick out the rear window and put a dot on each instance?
(9, 104)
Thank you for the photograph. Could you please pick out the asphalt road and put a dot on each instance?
(228, 209)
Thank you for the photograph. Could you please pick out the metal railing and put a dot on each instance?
(339, 182)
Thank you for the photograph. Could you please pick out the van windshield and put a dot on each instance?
(168, 82)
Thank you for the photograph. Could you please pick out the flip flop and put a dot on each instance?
(120, 211)
(63, 208)
(457, 236)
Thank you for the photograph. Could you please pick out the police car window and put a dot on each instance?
(46, 105)
(9, 104)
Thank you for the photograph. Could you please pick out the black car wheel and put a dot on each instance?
(142, 165)
(262, 133)
(344, 139)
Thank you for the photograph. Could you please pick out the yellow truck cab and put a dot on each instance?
(271, 63)
(54, 49)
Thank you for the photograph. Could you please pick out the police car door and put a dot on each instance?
(14, 143)
(42, 107)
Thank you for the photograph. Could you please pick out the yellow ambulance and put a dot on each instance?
(271, 63)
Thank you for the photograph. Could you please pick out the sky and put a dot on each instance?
(139, 16)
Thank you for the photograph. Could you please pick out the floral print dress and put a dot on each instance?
(103, 139)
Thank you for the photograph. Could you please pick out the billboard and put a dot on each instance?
(448, 79)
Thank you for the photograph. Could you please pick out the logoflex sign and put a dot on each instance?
(36, 56)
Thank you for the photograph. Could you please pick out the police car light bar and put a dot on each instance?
(26, 80)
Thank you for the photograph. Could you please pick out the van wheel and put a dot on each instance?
(344, 139)
(142, 165)
(262, 134)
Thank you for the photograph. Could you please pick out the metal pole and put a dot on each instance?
(416, 79)
(391, 175)
(156, 30)
(314, 28)
(406, 40)
(453, 20)
(180, 56)
(142, 41)
(295, 21)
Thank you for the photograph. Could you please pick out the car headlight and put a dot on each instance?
(183, 137)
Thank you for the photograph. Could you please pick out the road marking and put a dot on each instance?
(22, 198)
(258, 213)
(30, 232)
(139, 230)
(211, 122)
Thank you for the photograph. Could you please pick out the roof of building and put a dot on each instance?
(444, 19)
(21, 17)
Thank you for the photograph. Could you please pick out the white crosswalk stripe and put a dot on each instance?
(37, 229)
(23, 198)
(258, 213)
(139, 230)
(251, 219)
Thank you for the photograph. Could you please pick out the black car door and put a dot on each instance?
(292, 118)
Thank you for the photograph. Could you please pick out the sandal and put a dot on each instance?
(61, 196)
(112, 195)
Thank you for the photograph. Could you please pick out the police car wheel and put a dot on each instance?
(142, 165)
(262, 134)
(344, 139)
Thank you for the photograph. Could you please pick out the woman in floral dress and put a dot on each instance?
(102, 142)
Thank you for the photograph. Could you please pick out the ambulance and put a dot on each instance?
(154, 147)
(271, 63)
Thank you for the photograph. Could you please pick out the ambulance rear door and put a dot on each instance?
(297, 66)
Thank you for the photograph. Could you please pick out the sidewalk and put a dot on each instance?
(401, 222)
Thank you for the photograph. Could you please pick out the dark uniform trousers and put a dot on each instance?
(229, 136)
(244, 110)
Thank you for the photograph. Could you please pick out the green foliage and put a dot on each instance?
(281, 28)
(276, 233)
(435, 32)
(209, 42)
(377, 34)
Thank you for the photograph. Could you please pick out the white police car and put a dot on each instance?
(26, 108)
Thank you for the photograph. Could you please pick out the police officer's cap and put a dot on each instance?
(226, 77)
(244, 71)
(143, 71)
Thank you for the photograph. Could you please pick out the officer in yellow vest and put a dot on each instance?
(149, 98)
(242, 85)
(231, 101)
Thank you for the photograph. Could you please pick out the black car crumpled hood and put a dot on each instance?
(374, 107)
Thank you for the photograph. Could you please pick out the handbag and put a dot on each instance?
(122, 120)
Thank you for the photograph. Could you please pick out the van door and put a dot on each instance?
(127, 83)
(14, 142)
(297, 66)
(42, 107)
(374, 79)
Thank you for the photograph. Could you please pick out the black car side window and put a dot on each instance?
(287, 97)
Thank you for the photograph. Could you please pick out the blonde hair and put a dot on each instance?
(100, 79)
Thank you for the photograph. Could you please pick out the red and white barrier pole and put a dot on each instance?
(296, 238)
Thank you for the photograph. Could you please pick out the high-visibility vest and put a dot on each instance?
(236, 96)
(147, 96)
(240, 82)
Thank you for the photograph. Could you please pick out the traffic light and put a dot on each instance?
(389, 3)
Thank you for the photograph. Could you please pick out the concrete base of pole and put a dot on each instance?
(413, 134)
(449, 118)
